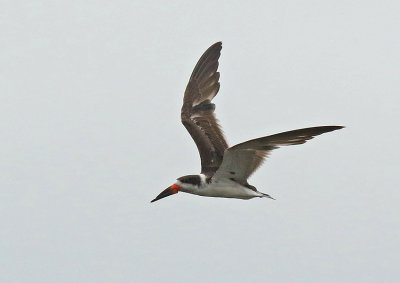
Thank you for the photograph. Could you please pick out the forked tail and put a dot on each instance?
(266, 196)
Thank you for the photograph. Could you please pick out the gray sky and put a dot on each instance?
(90, 132)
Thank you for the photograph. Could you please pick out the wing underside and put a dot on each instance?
(242, 160)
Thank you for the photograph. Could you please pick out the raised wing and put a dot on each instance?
(241, 160)
(197, 112)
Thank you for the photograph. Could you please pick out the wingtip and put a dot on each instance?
(217, 44)
(332, 128)
(339, 127)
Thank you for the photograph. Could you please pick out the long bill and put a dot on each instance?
(167, 192)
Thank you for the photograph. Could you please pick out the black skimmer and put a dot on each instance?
(224, 170)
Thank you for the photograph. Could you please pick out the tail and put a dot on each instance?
(266, 196)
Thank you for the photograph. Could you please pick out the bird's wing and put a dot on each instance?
(197, 112)
(241, 160)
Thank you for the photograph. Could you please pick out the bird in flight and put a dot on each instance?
(224, 170)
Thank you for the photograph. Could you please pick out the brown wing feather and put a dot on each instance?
(197, 112)
(241, 160)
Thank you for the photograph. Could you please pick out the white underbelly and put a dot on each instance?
(227, 189)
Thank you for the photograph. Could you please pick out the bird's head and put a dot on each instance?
(187, 184)
(173, 189)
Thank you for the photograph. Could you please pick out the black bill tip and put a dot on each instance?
(167, 192)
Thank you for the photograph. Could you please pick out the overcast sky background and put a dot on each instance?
(90, 132)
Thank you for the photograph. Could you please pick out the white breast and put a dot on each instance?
(226, 188)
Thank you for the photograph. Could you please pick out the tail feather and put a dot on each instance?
(266, 196)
